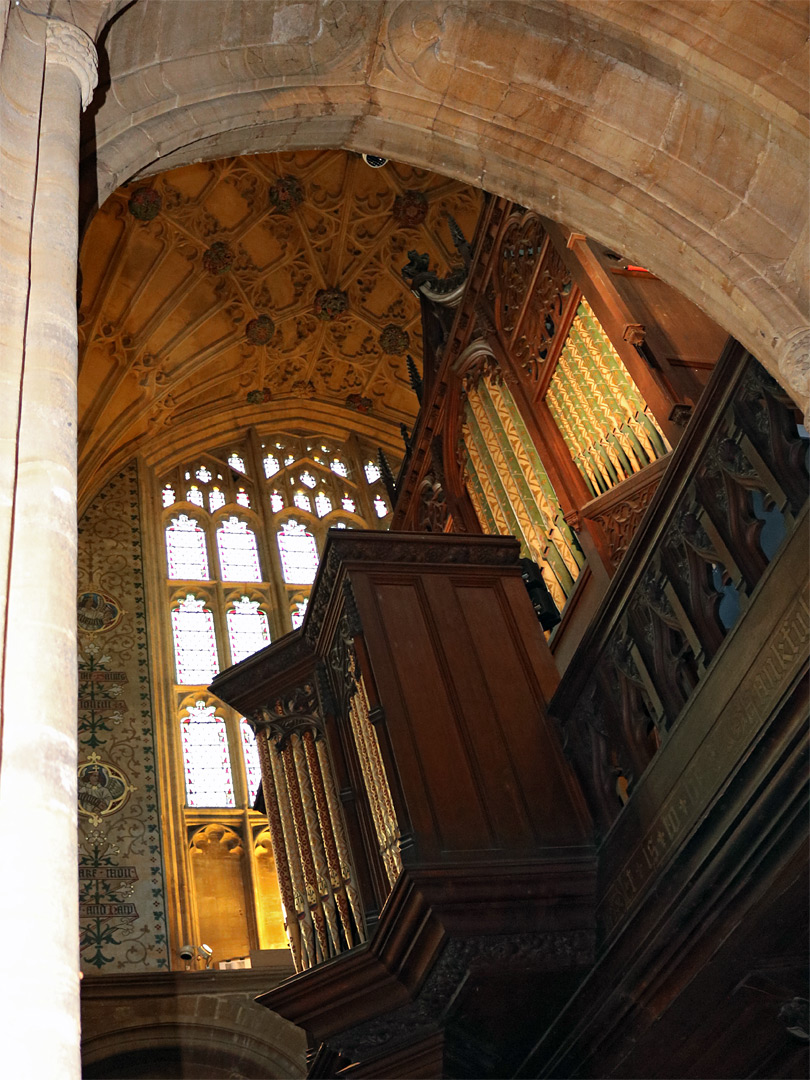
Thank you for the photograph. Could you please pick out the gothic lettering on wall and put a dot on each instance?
(121, 875)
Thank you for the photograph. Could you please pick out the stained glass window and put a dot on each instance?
(204, 475)
(195, 645)
(253, 770)
(372, 472)
(323, 504)
(380, 507)
(276, 501)
(289, 459)
(205, 756)
(302, 501)
(194, 495)
(298, 612)
(238, 553)
(248, 629)
(236, 461)
(299, 553)
(186, 550)
(338, 467)
(216, 499)
(168, 496)
(243, 498)
(271, 466)
(308, 479)
(348, 504)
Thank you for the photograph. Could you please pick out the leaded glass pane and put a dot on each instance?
(323, 504)
(238, 553)
(380, 507)
(216, 499)
(302, 501)
(248, 629)
(195, 646)
(236, 462)
(276, 501)
(205, 756)
(308, 479)
(168, 496)
(348, 504)
(298, 612)
(194, 495)
(243, 498)
(253, 770)
(289, 459)
(337, 466)
(299, 553)
(204, 475)
(271, 466)
(372, 472)
(186, 550)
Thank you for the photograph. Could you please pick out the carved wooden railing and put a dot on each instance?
(731, 495)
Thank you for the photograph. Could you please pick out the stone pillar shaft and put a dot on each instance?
(39, 903)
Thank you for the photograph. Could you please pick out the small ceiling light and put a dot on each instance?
(374, 161)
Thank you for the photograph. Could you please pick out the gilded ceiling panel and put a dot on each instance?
(252, 283)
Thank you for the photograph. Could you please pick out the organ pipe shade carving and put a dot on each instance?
(605, 422)
(510, 489)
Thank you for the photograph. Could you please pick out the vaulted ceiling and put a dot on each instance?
(255, 290)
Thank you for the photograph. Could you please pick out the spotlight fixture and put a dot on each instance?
(206, 952)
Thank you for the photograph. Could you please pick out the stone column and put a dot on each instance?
(38, 898)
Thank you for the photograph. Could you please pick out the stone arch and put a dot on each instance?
(239, 1036)
(679, 138)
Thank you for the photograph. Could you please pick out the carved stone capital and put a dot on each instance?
(67, 44)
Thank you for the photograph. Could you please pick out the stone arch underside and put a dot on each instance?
(676, 134)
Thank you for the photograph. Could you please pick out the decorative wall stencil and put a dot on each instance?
(330, 304)
(121, 875)
(259, 330)
(359, 403)
(285, 194)
(163, 326)
(145, 203)
(394, 340)
(97, 612)
(218, 259)
(410, 209)
(102, 789)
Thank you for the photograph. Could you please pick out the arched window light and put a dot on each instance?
(372, 472)
(195, 644)
(243, 498)
(348, 504)
(205, 757)
(299, 553)
(298, 612)
(276, 501)
(168, 496)
(337, 466)
(204, 475)
(323, 504)
(253, 771)
(289, 459)
(271, 466)
(302, 501)
(238, 553)
(186, 550)
(194, 495)
(380, 506)
(248, 629)
(216, 499)
(236, 461)
(308, 479)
